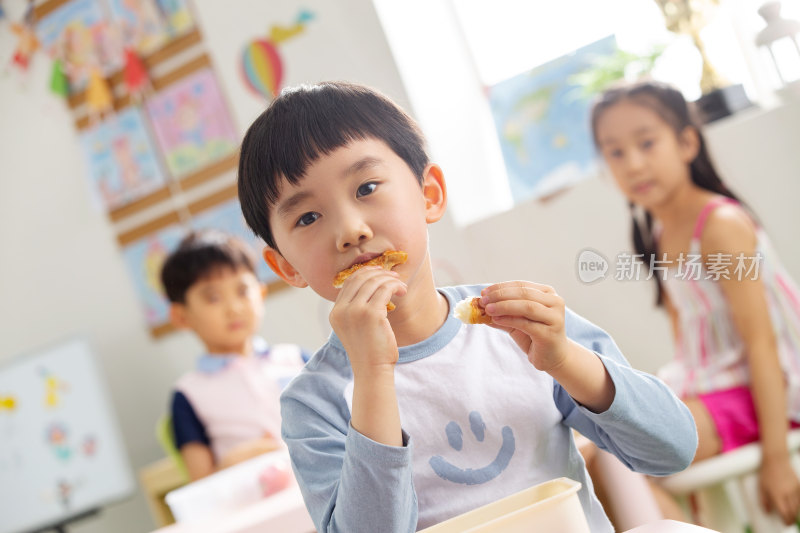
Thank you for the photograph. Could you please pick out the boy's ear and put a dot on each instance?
(434, 190)
(177, 315)
(690, 143)
(282, 268)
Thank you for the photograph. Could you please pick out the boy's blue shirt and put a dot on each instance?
(351, 483)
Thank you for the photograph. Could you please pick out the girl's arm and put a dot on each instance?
(729, 231)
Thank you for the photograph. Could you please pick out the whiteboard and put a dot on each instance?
(61, 451)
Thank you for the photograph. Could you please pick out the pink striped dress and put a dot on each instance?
(710, 354)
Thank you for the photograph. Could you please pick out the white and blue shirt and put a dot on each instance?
(479, 423)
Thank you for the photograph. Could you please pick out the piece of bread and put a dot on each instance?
(388, 260)
(469, 311)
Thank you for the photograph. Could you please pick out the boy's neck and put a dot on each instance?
(245, 350)
(422, 312)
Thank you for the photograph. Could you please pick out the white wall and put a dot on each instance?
(61, 272)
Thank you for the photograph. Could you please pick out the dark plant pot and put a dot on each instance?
(721, 103)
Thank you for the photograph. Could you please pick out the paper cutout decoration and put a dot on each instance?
(135, 76)
(99, 100)
(261, 64)
(191, 123)
(121, 159)
(59, 83)
(27, 44)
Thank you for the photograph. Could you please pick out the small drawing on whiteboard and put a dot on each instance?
(62, 491)
(89, 446)
(54, 387)
(56, 436)
(8, 404)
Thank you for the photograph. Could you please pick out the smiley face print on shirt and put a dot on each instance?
(473, 476)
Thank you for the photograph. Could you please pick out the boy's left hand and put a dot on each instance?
(533, 314)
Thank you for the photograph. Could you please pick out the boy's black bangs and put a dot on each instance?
(314, 131)
(307, 123)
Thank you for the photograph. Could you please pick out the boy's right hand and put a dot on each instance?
(359, 318)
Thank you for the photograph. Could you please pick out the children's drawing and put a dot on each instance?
(149, 24)
(121, 160)
(192, 123)
(79, 34)
(144, 259)
(261, 64)
(141, 20)
(542, 120)
(227, 217)
(178, 16)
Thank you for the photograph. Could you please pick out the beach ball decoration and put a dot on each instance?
(261, 64)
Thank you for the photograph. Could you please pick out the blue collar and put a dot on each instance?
(429, 346)
(211, 363)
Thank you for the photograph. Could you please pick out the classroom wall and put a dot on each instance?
(62, 275)
(61, 271)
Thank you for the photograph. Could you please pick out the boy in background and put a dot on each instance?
(408, 417)
(226, 410)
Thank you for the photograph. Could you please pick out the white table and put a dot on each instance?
(284, 512)
(231, 501)
(669, 526)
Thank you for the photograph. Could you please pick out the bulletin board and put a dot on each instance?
(164, 161)
(61, 451)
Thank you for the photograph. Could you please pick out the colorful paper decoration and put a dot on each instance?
(59, 83)
(99, 100)
(137, 81)
(27, 44)
(261, 64)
